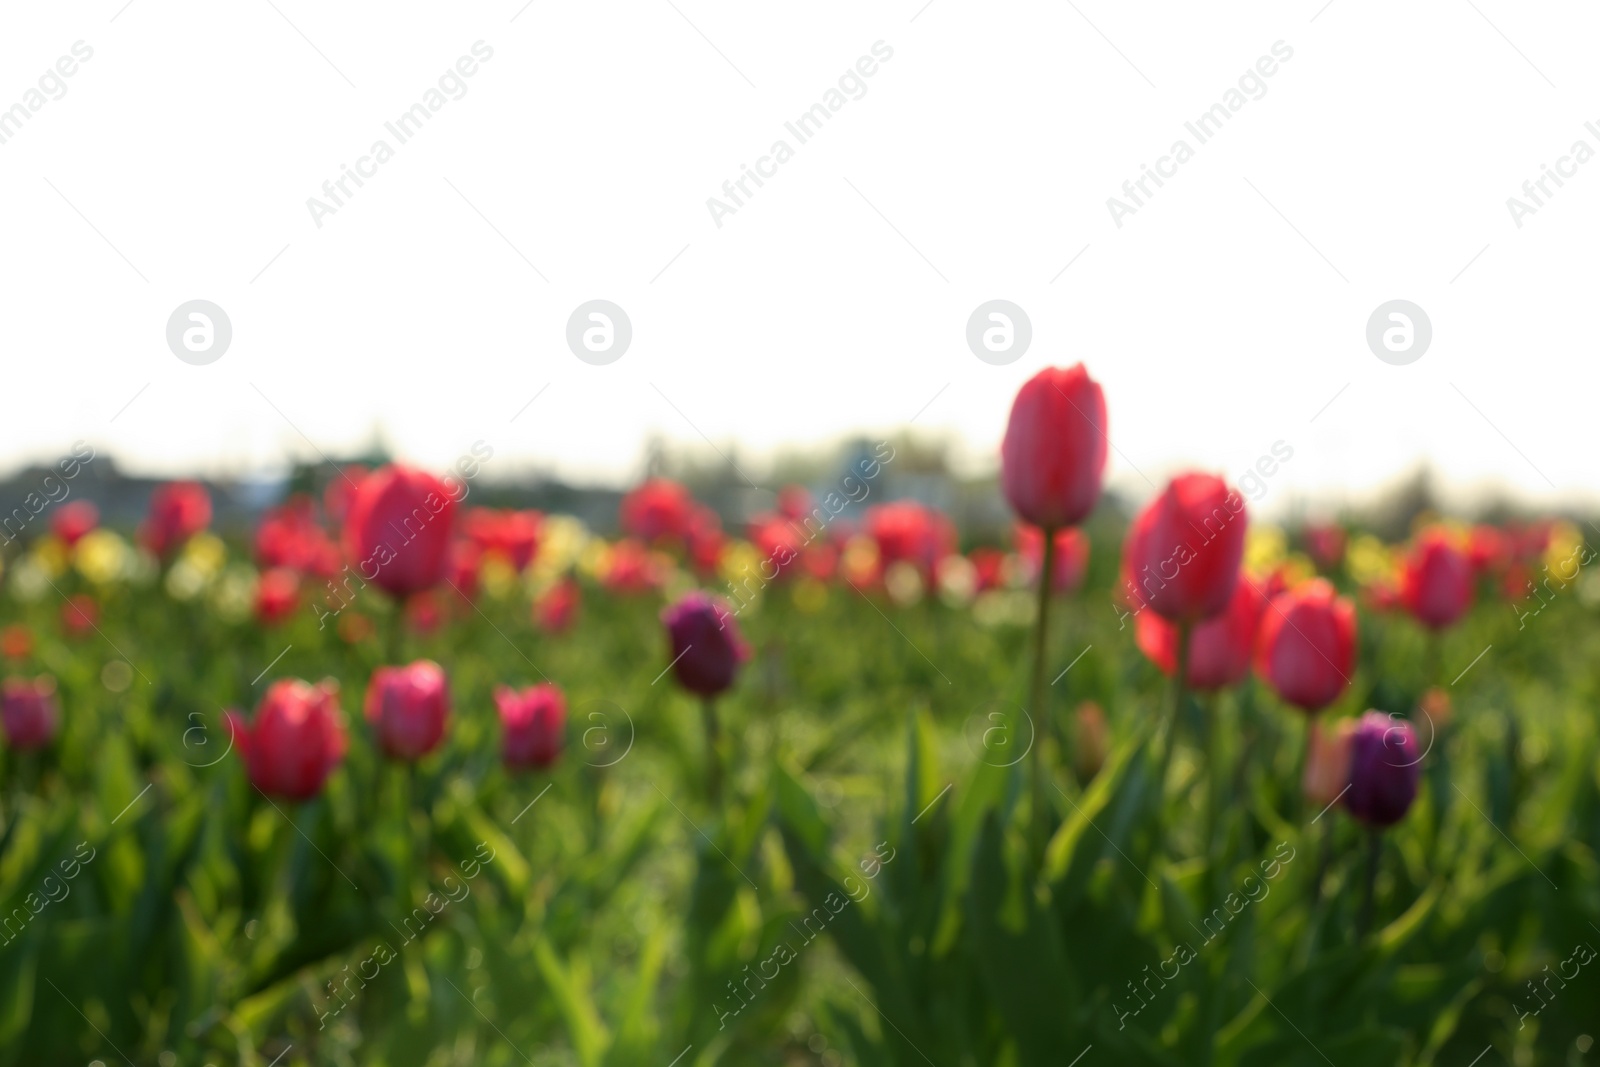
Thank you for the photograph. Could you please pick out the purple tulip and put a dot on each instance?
(29, 711)
(1384, 768)
(706, 646)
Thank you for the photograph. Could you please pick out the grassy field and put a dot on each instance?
(860, 893)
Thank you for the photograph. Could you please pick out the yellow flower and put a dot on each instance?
(497, 575)
(593, 558)
(860, 560)
(102, 556)
(206, 553)
(1264, 548)
(1370, 560)
(1563, 554)
(51, 555)
(741, 561)
(563, 540)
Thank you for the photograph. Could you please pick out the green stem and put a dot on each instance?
(394, 644)
(1039, 818)
(708, 712)
(1374, 854)
(1214, 779)
(1180, 689)
(1324, 860)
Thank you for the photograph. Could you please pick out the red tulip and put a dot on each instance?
(423, 611)
(1326, 545)
(658, 510)
(289, 536)
(1488, 549)
(16, 641)
(794, 502)
(1381, 595)
(821, 561)
(706, 647)
(779, 543)
(557, 609)
(533, 724)
(296, 740)
(1307, 647)
(277, 595)
(1053, 458)
(987, 562)
(1436, 580)
(407, 707)
(705, 539)
(1516, 583)
(29, 711)
(463, 568)
(80, 614)
(1072, 554)
(513, 535)
(1220, 649)
(71, 521)
(399, 529)
(630, 568)
(178, 511)
(909, 532)
(1182, 553)
(1528, 540)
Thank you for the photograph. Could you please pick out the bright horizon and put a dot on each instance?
(1225, 314)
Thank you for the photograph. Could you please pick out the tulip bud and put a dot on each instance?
(706, 647)
(1435, 705)
(1071, 558)
(1384, 769)
(178, 511)
(29, 711)
(1091, 740)
(80, 614)
(1219, 649)
(911, 533)
(407, 707)
(658, 510)
(398, 529)
(277, 595)
(16, 641)
(1053, 458)
(73, 520)
(556, 610)
(1436, 580)
(1307, 647)
(1328, 761)
(794, 502)
(631, 568)
(463, 569)
(1182, 553)
(296, 740)
(533, 723)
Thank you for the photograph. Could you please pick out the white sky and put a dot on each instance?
(990, 141)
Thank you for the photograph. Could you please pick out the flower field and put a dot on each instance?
(393, 778)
